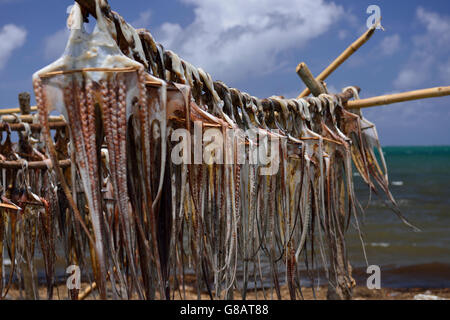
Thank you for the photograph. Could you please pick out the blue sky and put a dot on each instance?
(255, 46)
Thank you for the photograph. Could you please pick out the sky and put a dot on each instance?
(255, 46)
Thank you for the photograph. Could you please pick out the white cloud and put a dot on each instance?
(55, 44)
(143, 20)
(332, 89)
(418, 71)
(429, 53)
(428, 64)
(342, 34)
(408, 78)
(231, 39)
(12, 37)
(435, 23)
(390, 45)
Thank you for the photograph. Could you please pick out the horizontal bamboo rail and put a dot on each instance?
(18, 119)
(34, 127)
(15, 110)
(399, 97)
(29, 118)
(343, 57)
(63, 72)
(31, 164)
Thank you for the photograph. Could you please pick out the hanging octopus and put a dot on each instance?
(97, 102)
(220, 213)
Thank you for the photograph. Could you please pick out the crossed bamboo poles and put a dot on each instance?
(21, 119)
(317, 86)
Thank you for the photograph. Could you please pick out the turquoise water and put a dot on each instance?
(420, 182)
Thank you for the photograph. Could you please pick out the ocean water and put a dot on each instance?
(420, 183)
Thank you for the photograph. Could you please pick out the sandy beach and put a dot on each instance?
(359, 293)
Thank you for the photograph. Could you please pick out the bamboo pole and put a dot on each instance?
(34, 127)
(399, 97)
(31, 164)
(86, 292)
(63, 72)
(343, 57)
(313, 85)
(15, 110)
(24, 103)
(29, 118)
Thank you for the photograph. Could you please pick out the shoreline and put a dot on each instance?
(398, 283)
(359, 293)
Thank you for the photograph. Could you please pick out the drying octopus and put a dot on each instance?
(98, 102)
(154, 220)
(28, 210)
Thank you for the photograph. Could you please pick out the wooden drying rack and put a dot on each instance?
(317, 86)
(18, 119)
(15, 119)
(311, 82)
(314, 85)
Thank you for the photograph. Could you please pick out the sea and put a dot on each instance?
(419, 179)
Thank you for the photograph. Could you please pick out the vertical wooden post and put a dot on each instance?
(28, 270)
(313, 84)
(344, 56)
(338, 284)
(24, 103)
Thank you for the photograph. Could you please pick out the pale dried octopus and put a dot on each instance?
(220, 213)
